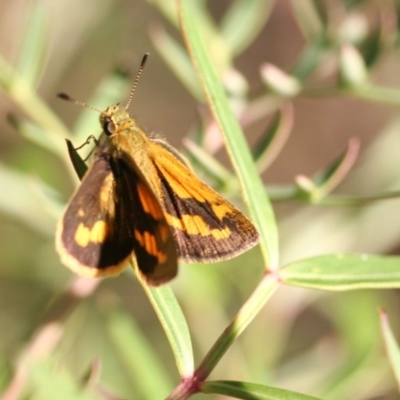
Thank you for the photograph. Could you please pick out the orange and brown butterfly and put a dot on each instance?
(139, 202)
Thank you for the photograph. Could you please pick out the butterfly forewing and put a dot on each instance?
(115, 216)
(92, 238)
(206, 226)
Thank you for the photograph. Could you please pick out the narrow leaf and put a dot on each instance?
(309, 18)
(352, 69)
(391, 345)
(344, 272)
(273, 140)
(337, 170)
(372, 47)
(138, 357)
(23, 203)
(49, 383)
(251, 391)
(178, 61)
(77, 162)
(246, 314)
(32, 55)
(323, 183)
(33, 133)
(173, 321)
(238, 150)
(243, 21)
(310, 58)
(52, 129)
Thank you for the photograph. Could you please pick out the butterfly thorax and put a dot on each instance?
(126, 141)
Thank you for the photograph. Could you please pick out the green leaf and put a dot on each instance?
(79, 165)
(51, 383)
(246, 314)
(252, 391)
(309, 18)
(349, 4)
(321, 184)
(31, 57)
(52, 129)
(136, 353)
(271, 143)
(372, 47)
(353, 72)
(392, 347)
(34, 134)
(253, 189)
(168, 9)
(216, 46)
(353, 319)
(310, 58)
(24, 201)
(178, 61)
(344, 272)
(173, 321)
(328, 179)
(243, 21)
(252, 186)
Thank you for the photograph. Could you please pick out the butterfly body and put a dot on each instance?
(139, 202)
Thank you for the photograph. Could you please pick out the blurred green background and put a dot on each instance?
(324, 344)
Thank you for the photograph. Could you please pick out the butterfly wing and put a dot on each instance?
(92, 238)
(153, 243)
(206, 226)
(114, 215)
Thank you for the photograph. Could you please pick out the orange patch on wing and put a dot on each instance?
(221, 210)
(148, 203)
(184, 183)
(165, 233)
(149, 243)
(195, 225)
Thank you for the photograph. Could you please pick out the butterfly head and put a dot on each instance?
(114, 117)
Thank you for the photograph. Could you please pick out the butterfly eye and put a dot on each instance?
(108, 127)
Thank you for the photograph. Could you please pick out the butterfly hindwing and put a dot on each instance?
(153, 244)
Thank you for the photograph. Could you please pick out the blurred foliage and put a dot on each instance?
(315, 86)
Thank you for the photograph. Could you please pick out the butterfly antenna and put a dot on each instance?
(66, 97)
(141, 68)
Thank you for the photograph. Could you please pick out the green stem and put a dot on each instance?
(246, 314)
(368, 92)
(243, 318)
(24, 96)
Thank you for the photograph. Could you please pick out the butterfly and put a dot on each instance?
(140, 202)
